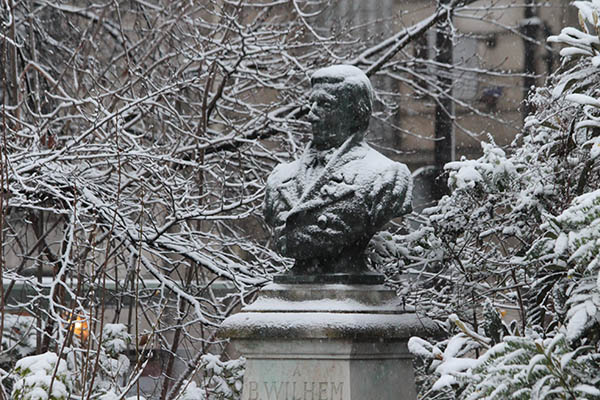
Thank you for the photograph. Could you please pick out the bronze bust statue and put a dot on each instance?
(326, 206)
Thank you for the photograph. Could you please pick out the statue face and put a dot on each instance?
(330, 118)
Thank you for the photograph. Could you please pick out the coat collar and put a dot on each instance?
(355, 149)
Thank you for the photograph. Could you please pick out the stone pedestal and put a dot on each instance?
(326, 342)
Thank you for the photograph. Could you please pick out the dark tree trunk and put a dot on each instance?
(444, 144)
(529, 29)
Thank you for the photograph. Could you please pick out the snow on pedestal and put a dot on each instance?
(326, 342)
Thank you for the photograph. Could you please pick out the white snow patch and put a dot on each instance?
(444, 381)
(349, 73)
(418, 347)
(588, 390)
(466, 177)
(454, 365)
(36, 374)
(561, 244)
(577, 324)
(333, 305)
(582, 99)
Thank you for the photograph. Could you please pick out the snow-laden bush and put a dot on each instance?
(114, 363)
(193, 392)
(516, 249)
(570, 252)
(110, 395)
(48, 377)
(223, 379)
(41, 377)
(525, 367)
(17, 338)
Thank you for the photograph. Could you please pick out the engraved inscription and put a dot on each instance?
(253, 390)
(285, 390)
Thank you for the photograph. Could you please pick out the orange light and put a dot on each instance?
(79, 327)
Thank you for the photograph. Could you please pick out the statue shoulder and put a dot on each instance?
(389, 184)
(374, 164)
(283, 173)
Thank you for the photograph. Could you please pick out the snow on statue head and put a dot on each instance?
(341, 104)
(326, 206)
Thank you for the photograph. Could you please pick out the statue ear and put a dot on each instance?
(361, 113)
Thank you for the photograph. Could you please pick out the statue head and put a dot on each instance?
(340, 105)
